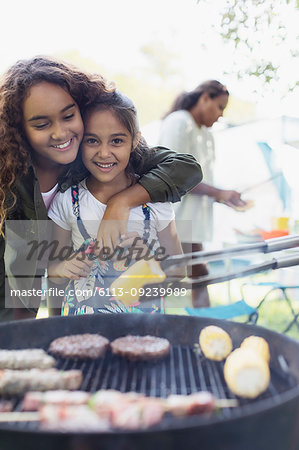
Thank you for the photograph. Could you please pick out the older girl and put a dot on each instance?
(40, 132)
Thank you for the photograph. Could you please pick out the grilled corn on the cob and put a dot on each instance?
(215, 343)
(246, 373)
(259, 345)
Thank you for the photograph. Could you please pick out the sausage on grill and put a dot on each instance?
(26, 359)
(15, 382)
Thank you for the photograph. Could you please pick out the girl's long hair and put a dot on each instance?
(15, 152)
(125, 111)
(186, 100)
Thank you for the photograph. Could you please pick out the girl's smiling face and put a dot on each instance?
(106, 148)
(52, 124)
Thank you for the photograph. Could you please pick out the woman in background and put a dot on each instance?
(185, 128)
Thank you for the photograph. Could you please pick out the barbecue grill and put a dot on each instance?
(269, 422)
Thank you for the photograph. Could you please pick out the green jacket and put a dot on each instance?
(166, 175)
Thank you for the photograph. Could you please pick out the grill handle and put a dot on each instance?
(282, 243)
(287, 261)
(275, 263)
(268, 246)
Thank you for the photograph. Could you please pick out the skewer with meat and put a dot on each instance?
(143, 413)
(113, 409)
(6, 406)
(128, 410)
(132, 411)
(107, 398)
(26, 359)
(188, 405)
(72, 418)
(16, 382)
(33, 401)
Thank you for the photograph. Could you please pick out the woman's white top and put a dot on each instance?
(92, 211)
(194, 214)
(48, 197)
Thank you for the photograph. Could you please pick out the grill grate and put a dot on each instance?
(184, 371)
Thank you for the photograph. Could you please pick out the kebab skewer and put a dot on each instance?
(109, 409)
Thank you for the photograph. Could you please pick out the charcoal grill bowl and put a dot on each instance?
(272, 423)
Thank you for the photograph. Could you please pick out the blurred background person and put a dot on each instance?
(185, 128)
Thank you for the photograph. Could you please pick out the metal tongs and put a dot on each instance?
(268, 246)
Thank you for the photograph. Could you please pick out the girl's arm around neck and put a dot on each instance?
(167, 175)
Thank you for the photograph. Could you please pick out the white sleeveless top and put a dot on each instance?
(48, 197)
(194, 213)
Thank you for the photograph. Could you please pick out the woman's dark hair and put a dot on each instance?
(15, 84)
(186, 100)
(125, 111)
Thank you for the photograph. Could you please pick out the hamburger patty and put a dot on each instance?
(141, 347)
(82, 346)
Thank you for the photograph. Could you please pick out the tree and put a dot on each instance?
(264, 35)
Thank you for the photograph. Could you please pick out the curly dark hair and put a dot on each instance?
(14, 87)
(186, 100)
(125, 110)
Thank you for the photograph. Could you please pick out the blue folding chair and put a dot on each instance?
(231, 311)
(283, 288)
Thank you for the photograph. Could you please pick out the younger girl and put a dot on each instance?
(40, 132)
(111, 144)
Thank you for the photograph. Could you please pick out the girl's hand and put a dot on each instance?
(115, 220)
(113, 226)
(77, 266)
(135, 244)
